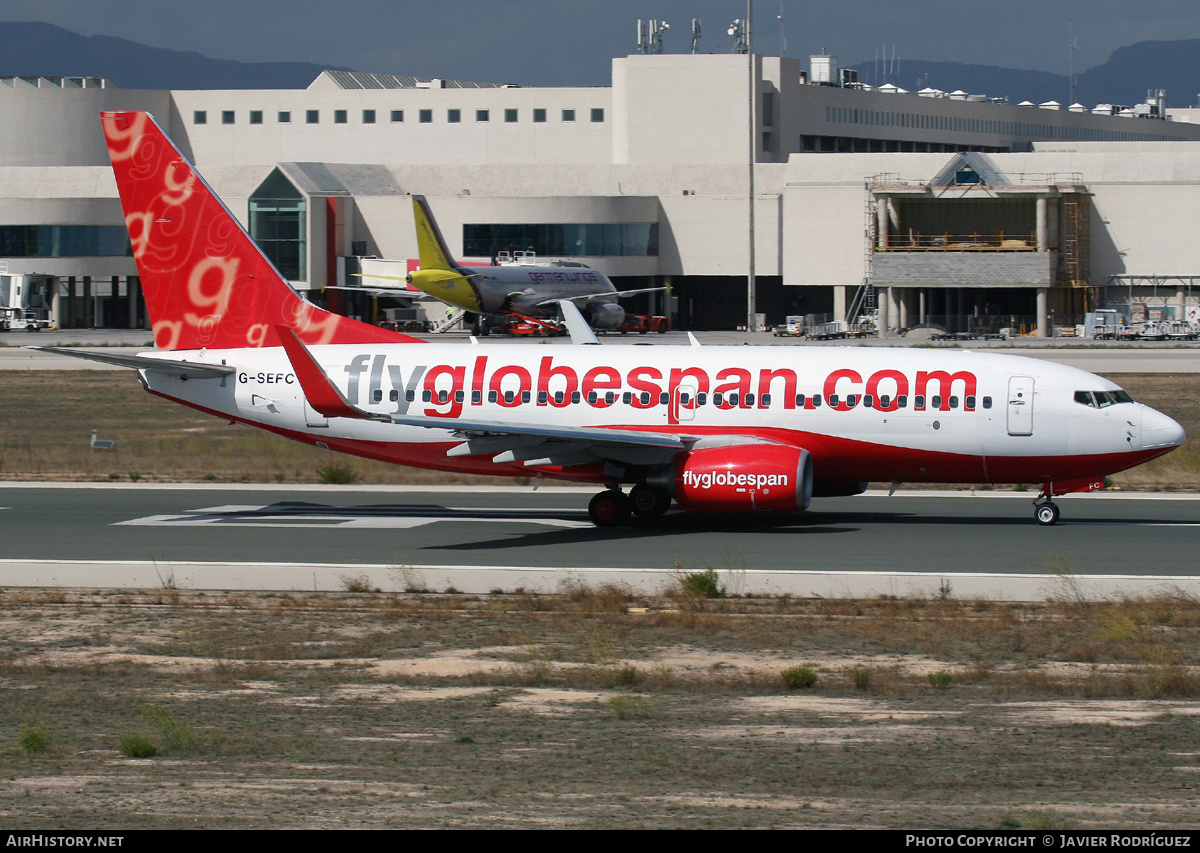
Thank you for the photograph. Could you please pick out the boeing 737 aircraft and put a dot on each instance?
(525, 291)
(710, 429)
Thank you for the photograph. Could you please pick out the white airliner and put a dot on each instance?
(524, 291)
(712, 429)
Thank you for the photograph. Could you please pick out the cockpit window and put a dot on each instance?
(1102, 399)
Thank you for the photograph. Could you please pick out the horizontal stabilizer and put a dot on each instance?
(189, 369)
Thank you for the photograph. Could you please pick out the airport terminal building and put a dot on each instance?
(925, 207)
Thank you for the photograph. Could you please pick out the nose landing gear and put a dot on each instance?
(1045, 512)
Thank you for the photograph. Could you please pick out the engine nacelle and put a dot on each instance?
(604, 315)
(745, 478)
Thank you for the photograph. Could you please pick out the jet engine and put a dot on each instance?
(745, 478)
(604, 315)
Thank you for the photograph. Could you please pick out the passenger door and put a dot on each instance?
(1020, 405)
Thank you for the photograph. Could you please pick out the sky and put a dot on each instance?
(572, 42)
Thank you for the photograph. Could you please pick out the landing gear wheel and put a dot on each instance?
(649, 503)
(1046, 513)
(610, 508)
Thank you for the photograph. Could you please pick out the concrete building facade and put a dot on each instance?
(924, 207)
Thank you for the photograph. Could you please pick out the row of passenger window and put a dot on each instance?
(645, 398)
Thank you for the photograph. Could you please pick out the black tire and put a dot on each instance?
(648, 503)
(610, 508)
(1046, 514)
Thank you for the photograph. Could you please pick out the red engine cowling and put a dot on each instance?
(745, 478)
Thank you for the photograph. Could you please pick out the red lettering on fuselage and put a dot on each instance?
(510, 396)
(548, 373)
(831, 388)
(644, 387)
(901, 388)
(593, 383)
(451, 396)
(767, 376)
(739, 383)
(647, 391)
(945, 383)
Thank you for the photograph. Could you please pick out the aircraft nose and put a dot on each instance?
(1158, 430)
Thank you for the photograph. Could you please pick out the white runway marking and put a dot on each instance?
(371, 518)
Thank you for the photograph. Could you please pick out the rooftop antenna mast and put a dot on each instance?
(695, 35)
(657, 28)
(738, 29)
(752, 90)
(1071, 46)
(782, 32)
(650, 35)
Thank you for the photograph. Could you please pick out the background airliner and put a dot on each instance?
(521, 290)
(710, 429)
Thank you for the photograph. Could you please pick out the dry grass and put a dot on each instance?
(596, 707)
(47, 419)
(48, 416)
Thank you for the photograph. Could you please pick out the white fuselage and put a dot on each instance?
(534, 285)
(864, 414)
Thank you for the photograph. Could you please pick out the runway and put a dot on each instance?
(477, 539)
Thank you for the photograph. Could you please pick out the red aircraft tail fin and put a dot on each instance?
(206, 283)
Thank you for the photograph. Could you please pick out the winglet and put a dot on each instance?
(320, 392)
(580, 331)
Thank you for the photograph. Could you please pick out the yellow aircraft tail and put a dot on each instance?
(430, 245)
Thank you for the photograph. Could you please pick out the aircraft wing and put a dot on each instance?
(589, 296)
(415, 295)
(186, 369)
(537, 445)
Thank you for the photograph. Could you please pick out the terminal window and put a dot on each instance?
(256, 117)
(278, 223)
(425, 116)
(285, 116)
(510, 115)
(312, 116)
(539, 116)
(368, 116)
(397, 115)
(564, 239)
(340, 117)
(200, 117)
(597, 114)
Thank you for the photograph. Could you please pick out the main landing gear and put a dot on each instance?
(612, 507)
